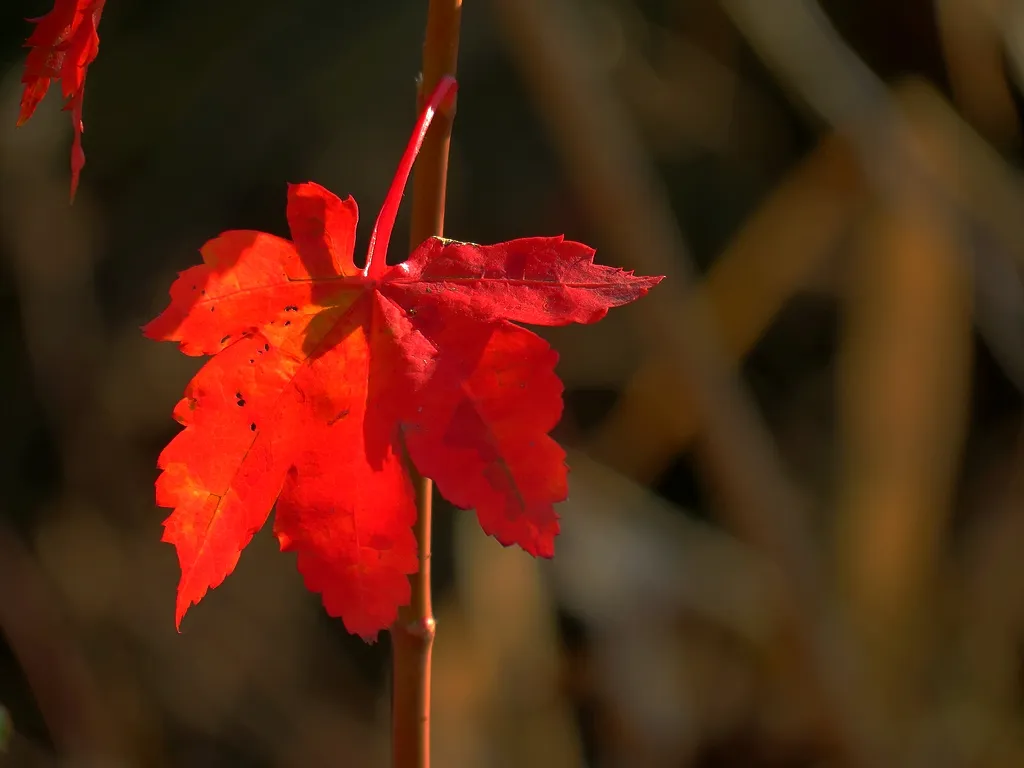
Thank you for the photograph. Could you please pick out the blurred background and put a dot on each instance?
(797, 495)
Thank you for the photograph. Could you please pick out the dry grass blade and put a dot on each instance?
(973, 44)
(989, 605)
(619, 191)
(905, 374)
(772, 258)
(925, 143)
(56, 671)
(629, 558)
(984, 191)
(684, 621)
(497, 699)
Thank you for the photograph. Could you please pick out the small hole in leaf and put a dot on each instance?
(291, 308)
(287, 323)
(225, 338)
(266, 347)
(252, 427)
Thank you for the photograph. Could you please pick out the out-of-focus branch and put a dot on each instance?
(772, 257)
(16, 751)
(904, 386)
(798, 43)
(991, 603)
(803, 49)
(977, 43)
(629, 212)
(57, 674)
(908, 348)
(984, 190)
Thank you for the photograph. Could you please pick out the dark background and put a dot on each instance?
(796, 502)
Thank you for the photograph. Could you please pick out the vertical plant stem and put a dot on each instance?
(412, 636)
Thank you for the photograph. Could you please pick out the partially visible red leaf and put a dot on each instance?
(64, 43)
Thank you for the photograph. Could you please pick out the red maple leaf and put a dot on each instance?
(64, 43)
(324, 376)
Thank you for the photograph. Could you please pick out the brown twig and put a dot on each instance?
(413, 634)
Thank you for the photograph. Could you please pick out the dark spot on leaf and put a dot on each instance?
(238, 395)
(429, 290)
(291, 308)
(241, 402)
(412, 312)
(266, 347)
(225, 338)
(287, 323)
(203, 292)
(340, 416)
(252, 427)
(212, 309)
(193, 287)
(251, 361)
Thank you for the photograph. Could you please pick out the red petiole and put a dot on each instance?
(375, 267)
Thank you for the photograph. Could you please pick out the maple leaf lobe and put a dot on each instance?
(484, 437)
(323, 228)
(533, 280)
